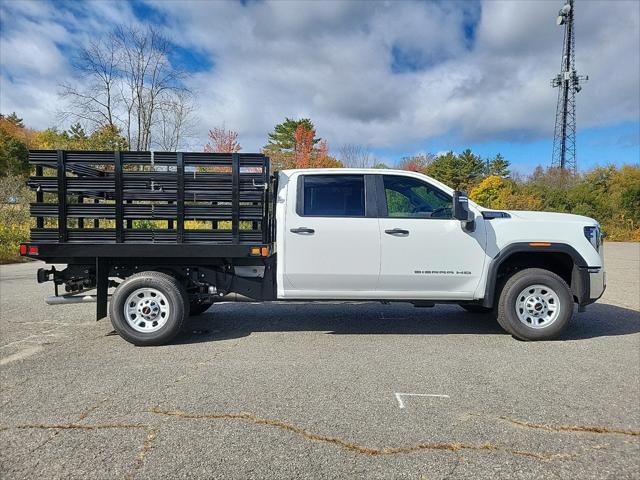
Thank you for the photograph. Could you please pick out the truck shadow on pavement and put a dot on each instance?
(229, 321)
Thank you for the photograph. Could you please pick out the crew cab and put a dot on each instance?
(174, 233)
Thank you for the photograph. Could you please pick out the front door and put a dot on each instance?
(425, 253)
(331, 240)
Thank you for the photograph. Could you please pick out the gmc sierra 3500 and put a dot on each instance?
(175, 233)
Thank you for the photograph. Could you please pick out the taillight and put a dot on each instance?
(28, 249)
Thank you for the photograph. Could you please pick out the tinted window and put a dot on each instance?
(412, 198)
(334, 195)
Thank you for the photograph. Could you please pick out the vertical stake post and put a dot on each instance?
(180, 199)
(62, 196)
(235, 197)
(117, 163)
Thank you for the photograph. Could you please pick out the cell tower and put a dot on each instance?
(568, 83)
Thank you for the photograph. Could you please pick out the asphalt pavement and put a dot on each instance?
(320, 391)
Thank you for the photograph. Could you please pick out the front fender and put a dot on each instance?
(580, 282)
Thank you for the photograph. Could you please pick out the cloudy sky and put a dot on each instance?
(399, 77)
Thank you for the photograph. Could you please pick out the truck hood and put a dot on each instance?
(550, 217)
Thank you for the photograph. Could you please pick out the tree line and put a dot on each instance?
(609, 194)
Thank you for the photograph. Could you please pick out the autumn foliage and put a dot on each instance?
(307, 155)
(293, 144)
(303, 149)
(222, 141)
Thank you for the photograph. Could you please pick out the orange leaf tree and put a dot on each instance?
(303, 149)
(222, 141)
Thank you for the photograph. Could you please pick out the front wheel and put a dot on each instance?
(149, 308)
(535, 304)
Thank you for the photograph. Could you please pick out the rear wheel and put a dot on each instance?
(535, 304)
(149, 308)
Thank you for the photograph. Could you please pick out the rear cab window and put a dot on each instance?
(331, 196)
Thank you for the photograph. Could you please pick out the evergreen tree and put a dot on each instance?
(497, 166)
(77, 133)
(458, 171)
(282, 139)
(77, 137)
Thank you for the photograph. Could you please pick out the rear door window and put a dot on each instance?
(333, 196)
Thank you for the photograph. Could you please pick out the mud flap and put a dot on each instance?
(102, 287)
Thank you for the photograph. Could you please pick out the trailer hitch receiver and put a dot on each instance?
(45, 275)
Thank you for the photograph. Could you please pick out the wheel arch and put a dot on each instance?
(559, 258)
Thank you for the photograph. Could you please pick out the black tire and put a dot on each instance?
(474, 308)
(509, 304)
(198, 308)
(178, 308)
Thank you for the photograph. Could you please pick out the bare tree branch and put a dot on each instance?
(356, 156)
(129, 82)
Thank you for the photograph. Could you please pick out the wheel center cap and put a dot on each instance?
(146, 310)
(535, 306)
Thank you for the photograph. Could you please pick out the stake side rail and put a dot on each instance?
(149, 204)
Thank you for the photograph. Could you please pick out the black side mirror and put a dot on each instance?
(461, 207)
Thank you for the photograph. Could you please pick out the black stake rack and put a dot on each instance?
(145, 199)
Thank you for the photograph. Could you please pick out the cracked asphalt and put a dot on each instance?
(308, 391)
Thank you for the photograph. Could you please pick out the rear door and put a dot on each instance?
(331, 238)
(425, 253)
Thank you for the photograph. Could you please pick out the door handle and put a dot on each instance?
(397, 231)
(302, 230)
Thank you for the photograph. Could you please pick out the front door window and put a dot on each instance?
(411, 198)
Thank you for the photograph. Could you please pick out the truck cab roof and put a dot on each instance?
(367, 171)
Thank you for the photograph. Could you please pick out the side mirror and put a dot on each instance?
(461, 207)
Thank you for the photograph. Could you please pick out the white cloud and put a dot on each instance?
(332, 62)
(36, 52)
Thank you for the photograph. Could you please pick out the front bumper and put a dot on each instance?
(588, 284)
(597, 283)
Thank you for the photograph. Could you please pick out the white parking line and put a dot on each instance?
(400, 395)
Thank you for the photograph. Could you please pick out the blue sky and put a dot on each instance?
(617, 144)
(397, 77)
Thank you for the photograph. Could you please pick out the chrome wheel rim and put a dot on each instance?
(537, 306)
(146, 310)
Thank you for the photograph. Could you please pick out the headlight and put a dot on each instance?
(593, 235)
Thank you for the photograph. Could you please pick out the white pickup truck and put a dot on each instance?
(324, 234)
